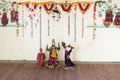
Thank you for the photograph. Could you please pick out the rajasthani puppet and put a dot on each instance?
(53, 56)
(40, 58)
(68, 49)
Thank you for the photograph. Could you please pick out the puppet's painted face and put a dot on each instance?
(40, 49)
(53, 42)
(68, 48)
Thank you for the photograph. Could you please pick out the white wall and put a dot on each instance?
(104, 48)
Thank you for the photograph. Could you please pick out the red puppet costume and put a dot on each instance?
(40, 58)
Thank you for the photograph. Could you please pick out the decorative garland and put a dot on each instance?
(83, 6)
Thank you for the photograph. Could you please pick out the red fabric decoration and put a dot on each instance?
(66, 7)
(49, 6)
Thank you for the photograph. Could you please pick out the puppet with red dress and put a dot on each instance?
(40, 58)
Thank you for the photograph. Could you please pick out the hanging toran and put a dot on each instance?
(48, 7)
(83, 6)
(67, 8)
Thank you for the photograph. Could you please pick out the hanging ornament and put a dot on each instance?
(48, 26)
(36, 6)
(83, 6)
(56, 13)
(66, 7)
(23, 20)
(31, 19)
(31, 15)
(16, 14)
(53, 24)
(13, 13)
(75, 8)
(94, 20)
(4, 19)
(56, 16)
(69, 25)
(108, 18)
(117, 19)
(48, 7)
(16, 19)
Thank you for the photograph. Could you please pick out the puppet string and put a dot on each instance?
(48, 26)
(40, 30)
(31, 27)
(82, 26)
(75, 25)
(68, 25)
(53, 26)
